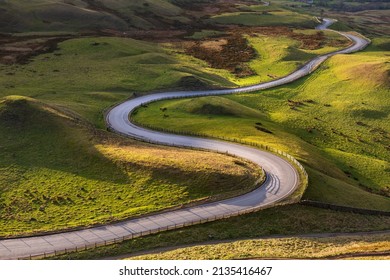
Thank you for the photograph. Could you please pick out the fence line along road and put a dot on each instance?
(282, 176)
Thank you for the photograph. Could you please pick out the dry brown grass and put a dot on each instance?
(216, 45)
(371, 247)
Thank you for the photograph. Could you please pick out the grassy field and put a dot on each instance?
(335, 122)
(271, 18)
(280, 248)
(282, 220)
(57, 171)
(90, 74)
(111, 69)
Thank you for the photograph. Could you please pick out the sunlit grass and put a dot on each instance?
(335, 122)
(90, 74)
(270, 18)
(284, 220)
(291, 248)
(57, 172)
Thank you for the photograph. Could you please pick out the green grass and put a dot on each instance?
(274, 18)
(205, 34)
(56, 172)
(110, 69)
(336, 123)
(290, 248)
(90, 74)
(283, 220)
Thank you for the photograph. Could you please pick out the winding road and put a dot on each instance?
(282, 178)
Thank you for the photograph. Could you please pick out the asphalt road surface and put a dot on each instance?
(282, 178)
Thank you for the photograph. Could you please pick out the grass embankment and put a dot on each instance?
(57, 171)
(282, 248)
(88, 75)
(282, 220)
(335, 122)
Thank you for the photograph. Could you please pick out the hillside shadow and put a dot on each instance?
(35, 138)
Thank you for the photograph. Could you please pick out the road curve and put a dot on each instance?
(282, 178)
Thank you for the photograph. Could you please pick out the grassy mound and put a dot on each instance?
(213, 106)
(56, 171)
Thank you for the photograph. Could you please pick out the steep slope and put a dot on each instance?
(78, 15)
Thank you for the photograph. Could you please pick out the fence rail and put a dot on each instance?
(324, 205)
(197, 222)
(95, 245)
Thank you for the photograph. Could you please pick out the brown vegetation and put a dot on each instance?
(225, 53)
(21, 49)
(308, 41)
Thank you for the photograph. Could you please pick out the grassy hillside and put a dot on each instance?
(44, 15)
(87, 75)
(86, 15)
(335, 122)
(90, 74)
(370, 18)
(56, 171)
(278, 52)
(275, 248)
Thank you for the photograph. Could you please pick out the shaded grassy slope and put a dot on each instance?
(290, 248)
(336, 121)
(56, 171)
(43, 15)
(79, 15)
